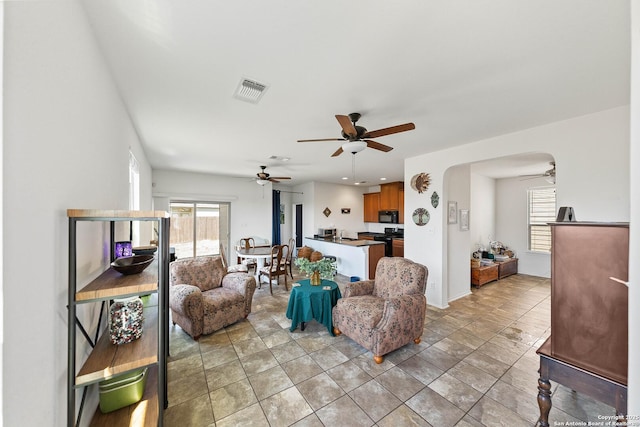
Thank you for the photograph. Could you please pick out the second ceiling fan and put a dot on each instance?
(357, 137)
(264, 177)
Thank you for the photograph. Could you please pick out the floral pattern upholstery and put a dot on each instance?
(387, 313)
(204, 298)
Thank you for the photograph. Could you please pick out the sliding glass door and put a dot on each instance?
(198, 228)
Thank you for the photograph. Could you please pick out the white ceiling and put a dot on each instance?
(460, 70)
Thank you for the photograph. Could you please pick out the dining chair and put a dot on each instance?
(231, 268)
(276, 268)
(288, 261)
(248, 243)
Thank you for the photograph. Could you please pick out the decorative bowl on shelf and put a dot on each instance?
(145, 250)
(132, 264)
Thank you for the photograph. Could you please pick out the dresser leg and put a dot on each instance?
(544, 401)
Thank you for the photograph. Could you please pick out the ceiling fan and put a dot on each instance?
(549, 175)
(357, 137)
(264, 177)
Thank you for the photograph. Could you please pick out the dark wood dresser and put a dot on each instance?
(587, 349)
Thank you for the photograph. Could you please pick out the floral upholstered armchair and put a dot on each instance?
(204, 297)
(387, 313)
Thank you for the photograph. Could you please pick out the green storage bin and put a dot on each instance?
(123, 390)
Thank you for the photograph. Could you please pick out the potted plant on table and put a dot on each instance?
(317, 270)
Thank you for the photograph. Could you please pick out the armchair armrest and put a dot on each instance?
(354, 289)
(403, 311)
(244, 284)
(186, 300)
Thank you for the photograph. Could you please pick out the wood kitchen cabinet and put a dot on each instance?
(390, 196)
(371, 207)
(401, 206)
(397, 246)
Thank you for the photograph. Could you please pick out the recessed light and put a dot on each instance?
(344, 178)
(383, 179)
(357, 183)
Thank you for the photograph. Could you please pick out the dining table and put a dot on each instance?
(260, 253)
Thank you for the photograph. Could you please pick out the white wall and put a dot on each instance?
(511, 224)
(591, 154)
(633, 399)
(1, 209)
(250, 203)
(336, 197)
(66, 145)
(482, 215)
(318, 196)
(459, 191)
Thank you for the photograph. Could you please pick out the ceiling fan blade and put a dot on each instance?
(272, 180)
(378, 146)
(280, 177)
(388, 131)
(347, 126)
(319, 140)
(337, 153)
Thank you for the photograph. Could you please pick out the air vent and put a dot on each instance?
(250, 91)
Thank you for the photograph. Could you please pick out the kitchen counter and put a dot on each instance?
(354, 257)
(346, 241)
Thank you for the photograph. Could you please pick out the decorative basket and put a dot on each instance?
(125, 320)
(475, 263)
(304, 252)
(316, 256)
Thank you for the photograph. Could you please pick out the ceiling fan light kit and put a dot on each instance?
(262, 181)
(354, 147)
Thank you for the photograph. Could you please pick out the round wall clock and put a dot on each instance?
(421, 216)
(420, 182)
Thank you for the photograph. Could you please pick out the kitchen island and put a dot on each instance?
(354, 257)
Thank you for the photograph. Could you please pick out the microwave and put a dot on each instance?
(388, 217)
(326, 232)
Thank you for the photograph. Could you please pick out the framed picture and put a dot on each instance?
(452, 212)
(464, 219)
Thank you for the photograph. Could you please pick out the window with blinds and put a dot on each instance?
(542, 210)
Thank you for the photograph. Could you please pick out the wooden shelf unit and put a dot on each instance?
(105, 359)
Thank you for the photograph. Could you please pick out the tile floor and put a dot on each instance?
(476, 366)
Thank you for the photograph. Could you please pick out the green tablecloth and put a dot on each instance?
(308, 302)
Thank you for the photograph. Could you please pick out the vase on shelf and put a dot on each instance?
(315, 278)
(126, 318)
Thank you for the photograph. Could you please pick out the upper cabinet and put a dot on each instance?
(390, 196)
(371, 207)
